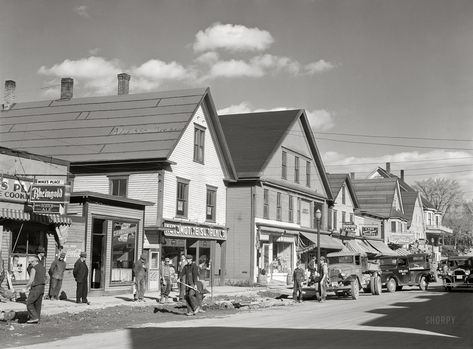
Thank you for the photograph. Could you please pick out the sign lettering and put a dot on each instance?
(139, 130)
(180, 230)
(48, 193)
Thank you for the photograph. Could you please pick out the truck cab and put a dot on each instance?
(458, 272)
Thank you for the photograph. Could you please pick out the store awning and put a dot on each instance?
(381, 247)
(360, 246)
(20, 215)
(326, 241)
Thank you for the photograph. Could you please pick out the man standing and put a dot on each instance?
(182, 288)
(190, 275)
(323, 279)
(56, 272)
(298, 277)
(140, 278)
(81, 273)
(40, 253)
(36, 287)
(167, 275)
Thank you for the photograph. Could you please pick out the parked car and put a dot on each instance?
(410, 270)
(458, 272)
(348, 272)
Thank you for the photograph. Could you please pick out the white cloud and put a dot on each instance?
(94, 51)
(84, 68)
(232, 38)
(276, 63)
(210, 57)
(320, 120)
(82, 11)
(319, 67)
(235, 68)
(155, 69)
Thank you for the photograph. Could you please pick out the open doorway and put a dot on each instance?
(99, 243)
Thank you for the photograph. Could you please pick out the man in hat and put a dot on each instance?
(139, 271)
(35, 286)
(81, 273)
(323, 279)
(56, 272)
(298, 278)
(167, 274)
(40, 253)
(190, 275)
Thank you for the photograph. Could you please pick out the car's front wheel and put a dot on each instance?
(355, 289)
(391, 285)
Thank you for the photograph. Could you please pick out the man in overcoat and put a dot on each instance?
(81, 273)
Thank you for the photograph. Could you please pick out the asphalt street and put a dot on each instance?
(410, 318)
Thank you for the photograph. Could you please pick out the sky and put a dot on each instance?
(380, 80)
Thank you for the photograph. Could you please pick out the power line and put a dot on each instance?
(396, 137)
(401, 162)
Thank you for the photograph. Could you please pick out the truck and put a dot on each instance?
(458, 272)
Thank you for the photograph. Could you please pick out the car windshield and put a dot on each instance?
(340, 259)
(388, 261)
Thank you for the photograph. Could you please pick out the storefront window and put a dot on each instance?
(123, 251)
(25, 239)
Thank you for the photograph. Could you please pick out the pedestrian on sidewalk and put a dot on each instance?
(81, 273)
(190, 275)
(56, 273)
(167, 275)
(41, 255)
(299, 278)
(182, 288)
(323, 279)
(35, 286)
(140, 272)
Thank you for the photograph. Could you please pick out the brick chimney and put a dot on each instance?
(352, 175)
(402, 174)
(67, 85)
(388, 167)
(123, 83)
(9, 94)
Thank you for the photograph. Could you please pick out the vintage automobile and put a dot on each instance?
(348, 272)
(458, 272)
(410, 270)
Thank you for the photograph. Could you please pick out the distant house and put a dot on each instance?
(281, 183)
(163, 152)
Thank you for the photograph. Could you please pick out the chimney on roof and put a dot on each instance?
(67, 85)
(402, 174)
(388, 167)
(123, 83)
(9, 94)
(352, 175)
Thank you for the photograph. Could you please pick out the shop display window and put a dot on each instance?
(123, 251)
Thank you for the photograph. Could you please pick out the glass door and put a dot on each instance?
(99, 243)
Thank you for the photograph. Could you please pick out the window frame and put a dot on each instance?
(135, 250)
(291, 209)
(278, 206)
(213, 191)
(393, 225)
(111, 180)
(344, 195)
(335, 223)
(266, 203)
(185, 200)
(296, 169)
(284, 164)
(308, 165)
(199, 144)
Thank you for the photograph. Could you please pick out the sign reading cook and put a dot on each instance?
(181, 230)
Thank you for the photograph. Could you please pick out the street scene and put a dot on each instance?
(250, 174)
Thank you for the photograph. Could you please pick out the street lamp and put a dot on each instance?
(318, 215)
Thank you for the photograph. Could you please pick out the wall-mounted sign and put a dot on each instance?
(192, 231)
(348, 226)
(369, 231)
(44, 207)
(72, 249)
(14, 190)
(401, 238)
(48, 193)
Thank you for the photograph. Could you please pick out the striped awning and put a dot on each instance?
(357, 245)
(20, 215)
(381, 247)
(326, 241)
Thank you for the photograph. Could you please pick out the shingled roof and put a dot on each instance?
(99, 129)
(408, 202)
(376, 195)
(336, 181)
(254, 137)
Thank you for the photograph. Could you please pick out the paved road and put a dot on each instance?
(408, 319)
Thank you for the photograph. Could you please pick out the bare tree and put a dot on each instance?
(441, 192)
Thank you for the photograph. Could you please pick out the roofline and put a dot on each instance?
(31, 156)
(112, 198)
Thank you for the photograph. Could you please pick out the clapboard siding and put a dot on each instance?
(199, 175)
(98, 184)
(144, 186)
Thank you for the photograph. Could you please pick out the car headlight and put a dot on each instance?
(343, 275)
(467, 272)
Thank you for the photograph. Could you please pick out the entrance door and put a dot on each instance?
(266, 257)
(99, 243)
(153, 273)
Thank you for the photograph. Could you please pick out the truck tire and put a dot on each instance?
(373, 284)
(377, 286)
(391, 285)
(355, 289)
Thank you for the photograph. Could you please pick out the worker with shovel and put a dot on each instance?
(190, 276)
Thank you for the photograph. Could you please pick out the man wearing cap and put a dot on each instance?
(167, 274)
(56, 272)
(81, 273)
(190, 275)
(139, 271)
(40, 253)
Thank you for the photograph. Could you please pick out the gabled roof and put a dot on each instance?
(336, 181)
(409, 200)
(100, 129)
(427, 204)
(385, 174)
(254, 137)
(376, 195)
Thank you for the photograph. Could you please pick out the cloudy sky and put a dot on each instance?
(380, 80)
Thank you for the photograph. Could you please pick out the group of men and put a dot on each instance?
(317, 278)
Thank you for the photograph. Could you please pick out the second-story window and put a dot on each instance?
(266, 204)
(296, 169)
(344, 217)
(335, 219)
(211, 204)
(291, 209)
(284, 165)
(437, 221)
(393, 227)
(344, 195)
(199, 141)
(279, 207)
(299, 203)
(119, 186)
(307, 174)
(352, 218)
(182, 198)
